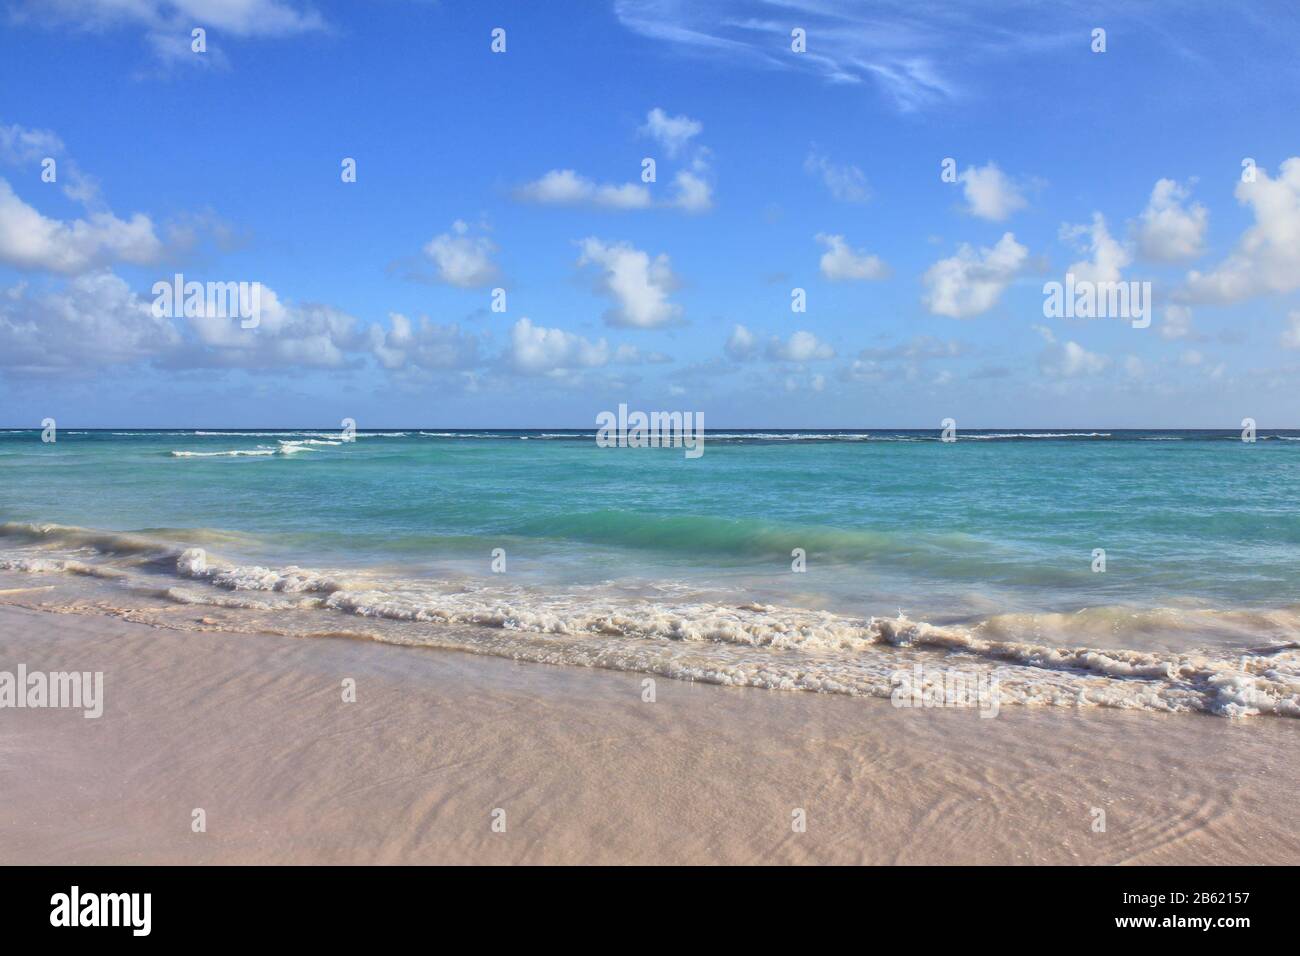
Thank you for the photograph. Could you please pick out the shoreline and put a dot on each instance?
(253, 730)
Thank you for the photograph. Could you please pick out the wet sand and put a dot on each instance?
(253, 729)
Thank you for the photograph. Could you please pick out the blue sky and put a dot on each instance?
(522, 171)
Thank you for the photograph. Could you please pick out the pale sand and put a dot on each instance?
(252, 728)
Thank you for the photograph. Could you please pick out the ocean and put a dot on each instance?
(1150, 570)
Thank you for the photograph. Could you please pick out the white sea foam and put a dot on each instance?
(238, 453)
(1005, 435)
(739, 643)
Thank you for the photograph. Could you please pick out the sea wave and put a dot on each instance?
(748, 644)
(261, 451)
(237, 453)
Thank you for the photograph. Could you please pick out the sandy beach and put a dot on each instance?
(253, 729)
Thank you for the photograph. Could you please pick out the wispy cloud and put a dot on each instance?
(917, 55)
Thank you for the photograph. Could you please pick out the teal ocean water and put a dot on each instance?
(603, 554)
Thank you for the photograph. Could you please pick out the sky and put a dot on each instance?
(505, 256)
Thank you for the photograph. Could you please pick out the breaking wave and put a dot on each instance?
(742, 644)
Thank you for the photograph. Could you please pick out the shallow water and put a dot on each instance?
(974, 556)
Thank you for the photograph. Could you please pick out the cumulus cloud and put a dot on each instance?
(96, 320)
(670, 132)
(1067, 359)
(92, 322)
(537, 350)
(19, 145)
(800, 347)
(166, 24)
(863, 370)
(1267, 256)
(638, 284)
(1109, 255)
(424, 344)
(841, 263)
(309, 335)
(846, 182)
(461, 259)
(989, 193)
(972, 282)
(31, 241)
(1177, 323)
(741, 344)
(1168, 230)
(565, 187)
(691, 191)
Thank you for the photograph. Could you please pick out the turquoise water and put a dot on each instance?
(978, 554)
(1182, 516)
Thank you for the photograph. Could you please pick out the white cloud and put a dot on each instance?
(671, 132)
(971, 282)
(29, 240)
(309, 335)
(863, 370)
(841, 263)
(1168, 231)
(1109, 255)
(693, 192)
(94, 321)
(245, 18)
(741, 344)
(166, 24)
(1070, 360)
(631, 355)
(1177, 323)
(425, 344)
(461, 259)
(638, 284)
(19, 145)
(846, 182)
(564, 187)
(800, 347)
(990, 194)
(1267, 257)
(904, 56)
(536, 350)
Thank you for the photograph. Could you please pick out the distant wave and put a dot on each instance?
(238, 453)
(285, 447)
(716, 436)
(1010, 435)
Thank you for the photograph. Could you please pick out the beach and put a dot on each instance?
(253, 730)
(519, 647)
